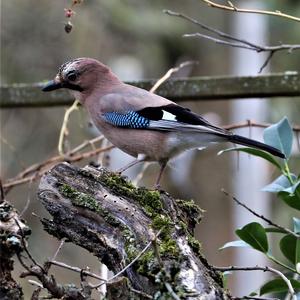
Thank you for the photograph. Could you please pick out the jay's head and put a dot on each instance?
(81, 75)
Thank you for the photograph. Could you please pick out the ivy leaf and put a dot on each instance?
(290, 247)
(278, 285)
(254, 235)
(279, 184)
(280, 136)
(237, 244)
(256, 152)
(291, 196)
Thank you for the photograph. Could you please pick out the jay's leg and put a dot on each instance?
(139, 159)
(163, 165)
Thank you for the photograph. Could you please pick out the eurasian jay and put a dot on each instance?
(142, 124)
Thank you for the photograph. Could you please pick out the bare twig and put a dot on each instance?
(250, 123)
(218, 41)
(268, 59)
(58, 248)
(233, 8)
(232, 41)
(75, 269)
(33, 282)
(169, 73)
(170, 290)
(261, 216)
(63, 129)
(265, 269)
(24, 245)
(37, 170)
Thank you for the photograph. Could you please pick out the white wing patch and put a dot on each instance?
(168, 116)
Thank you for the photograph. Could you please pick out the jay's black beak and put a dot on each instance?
(51, 86)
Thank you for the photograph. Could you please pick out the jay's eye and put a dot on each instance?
(71, 76)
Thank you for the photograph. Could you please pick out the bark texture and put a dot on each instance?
(13, 231)
(105, 214)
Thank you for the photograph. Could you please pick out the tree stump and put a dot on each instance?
(115, 221)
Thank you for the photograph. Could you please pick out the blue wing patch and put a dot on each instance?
(130, 119)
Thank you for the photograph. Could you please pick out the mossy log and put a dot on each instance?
(105, 214)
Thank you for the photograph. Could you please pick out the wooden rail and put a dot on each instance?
(194, 88)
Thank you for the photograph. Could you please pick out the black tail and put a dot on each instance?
(237, 139)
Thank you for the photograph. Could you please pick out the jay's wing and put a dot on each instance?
(128, 110)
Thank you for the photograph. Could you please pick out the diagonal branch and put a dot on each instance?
(233, 8)
(286, 230)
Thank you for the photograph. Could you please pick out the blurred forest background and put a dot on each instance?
(137, 40)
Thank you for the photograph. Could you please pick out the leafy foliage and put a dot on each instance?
(287, 189)
(254, 235)
(280, 136)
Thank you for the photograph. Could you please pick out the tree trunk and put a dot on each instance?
(105, 214)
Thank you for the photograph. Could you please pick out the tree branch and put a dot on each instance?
(232, 41)
(233, 8)
(264, 269)
(286, 230)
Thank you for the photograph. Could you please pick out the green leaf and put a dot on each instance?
(255, 235)
(280, 136)
(256, 152)
(279, 184)
(237, 244)
(290, 247)
(291, 196)
(296, 222)
(278, 285)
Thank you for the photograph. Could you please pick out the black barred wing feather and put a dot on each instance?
(170, 117)
(182, 115)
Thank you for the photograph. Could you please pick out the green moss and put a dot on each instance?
(80, 199)
(193, 211)
(195, 244)
(183, 226)
(150, 200)
(169, 248)
(89, 202)
(147, 264)
(163, 223)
